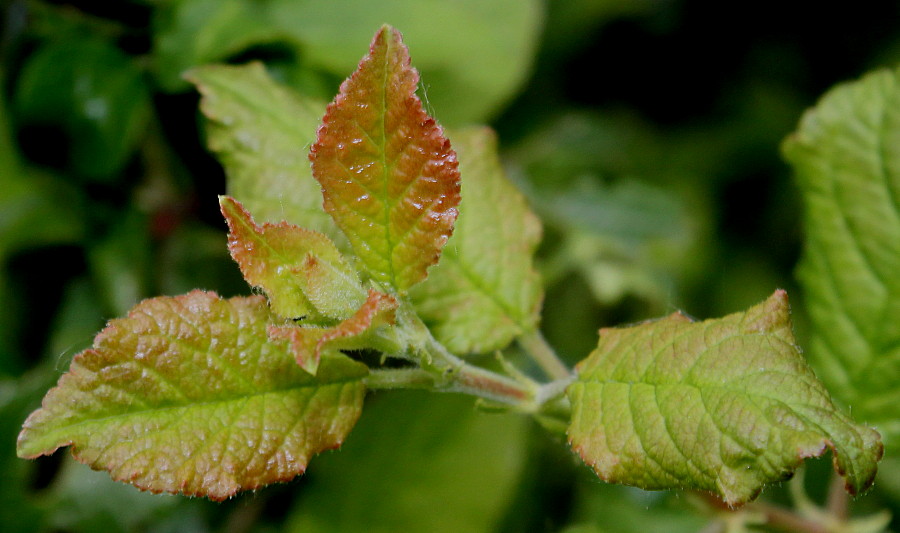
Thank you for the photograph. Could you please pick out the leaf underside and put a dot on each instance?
(723, 405)
(388, 174)
(847, 165)
(188, 395)
(485, 290)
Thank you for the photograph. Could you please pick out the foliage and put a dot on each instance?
(400, 282)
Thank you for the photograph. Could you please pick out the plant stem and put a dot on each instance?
(489, 385)
(543, 354)
(467, 379)
(399, 378)
(838, 501)
(774, 516)
(785, 520)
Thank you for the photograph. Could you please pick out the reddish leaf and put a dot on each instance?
(388, 174)
(302, 272)
(187, 394)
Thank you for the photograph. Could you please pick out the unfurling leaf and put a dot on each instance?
(723, 405)
(847, 166)
(302, 272)
(309, 344)
(388, 174)
(187, 394)
(485, 291)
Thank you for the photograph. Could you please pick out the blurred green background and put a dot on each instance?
(645, 132)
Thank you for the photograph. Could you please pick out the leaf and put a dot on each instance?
(261, 132)
(723, 405)
(188, 395)
(302, 272)
(441, 450)
(848, 170)
(485, 291)
(388, 175)
(308, 344)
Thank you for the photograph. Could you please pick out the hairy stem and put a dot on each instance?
(466, 379)
(399, 378)
(441, 371)
(543, 354)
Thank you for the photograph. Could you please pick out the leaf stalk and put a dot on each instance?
(537, 347)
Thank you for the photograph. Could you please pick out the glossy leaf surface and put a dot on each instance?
(485, 291)
(388, 174)
(302, 272)
(724, 405)
(188, 395)
(848, 168)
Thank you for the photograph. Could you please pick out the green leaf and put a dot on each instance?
(93, 92)
(188, 395)
(485, 291)
(848, 170)
(450, 469)
(261, 132)
(309, 344)
(724, 405)
(301, 271)
(388, 174)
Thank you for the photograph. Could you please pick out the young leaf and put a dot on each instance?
(388, 174)
(848, 169)
(261, 131)
(188, 395)
(302, 272)
(485, 291)
(723, 405)
(310, 343)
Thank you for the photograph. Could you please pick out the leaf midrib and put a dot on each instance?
(202, 404)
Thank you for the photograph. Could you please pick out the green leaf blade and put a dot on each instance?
(187, 395)
(260, 132)
(485, 291)
(849, 174)
(388, 175)
(724, 405)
